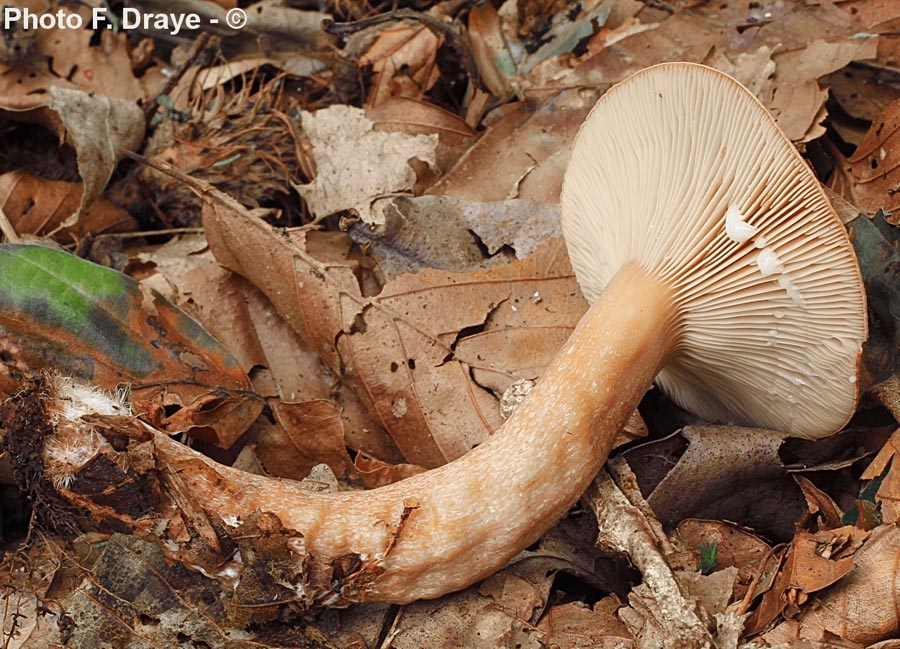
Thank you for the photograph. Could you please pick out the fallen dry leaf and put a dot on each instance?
(134, 589)
(736, 547)
(862, 90)
(811, 563)
(310, 433)
(886, 463)
(870, 178)
(797, 102)
(414, 117)
(820, 504)
(38, 206)
(520, 223)
(576, 625)
(854, 609)
(716, 474)
(466, 619)
(100, 128)
(404, 60)
(75, 59)
(417, 233)
(356, 164)
(397, 349)
(520, 138)
(244, 320)
(805, 43)
(495, 62)
(28, 575)
(375, 473)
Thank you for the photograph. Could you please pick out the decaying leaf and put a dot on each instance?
(863, 92)
(887, 464)
(375, 473)
(27, 577)
(577, 625)
(398, 349)
(133, 592)
(66, 58)
(40, 207)
(84, 320)
(495, 62)
(716, 474)
(736, 547)
(310, 433)
(854, 608)
(875, 242)
(406, 115)
(466, 619)
(520, 223)
(522, 153)
(445, 232)
(805, 43)
(797, 102)
(811, 563)
(355, 165)
(243, 319)
(870, 178)
(403, 58)
(820, 504)
(417, 233)
(99, 127)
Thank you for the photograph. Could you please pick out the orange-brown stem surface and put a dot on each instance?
(442, 530)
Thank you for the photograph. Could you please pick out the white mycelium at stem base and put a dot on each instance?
(470, 516)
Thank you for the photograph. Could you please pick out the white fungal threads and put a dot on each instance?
(77, 399)
(65, 455)
(736, 228)
(75, 442)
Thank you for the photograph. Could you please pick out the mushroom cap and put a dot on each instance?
(682, 170)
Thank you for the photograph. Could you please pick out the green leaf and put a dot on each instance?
(709, 556)
(40, 286)
(64, 313)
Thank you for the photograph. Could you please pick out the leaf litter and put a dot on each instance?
(390, 269)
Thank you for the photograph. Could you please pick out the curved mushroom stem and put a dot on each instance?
(443, 530)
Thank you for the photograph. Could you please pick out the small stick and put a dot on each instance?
(6, 227)
(153, 105)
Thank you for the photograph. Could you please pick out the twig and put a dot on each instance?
(6, 227)
(153, 105)
(624, 527)
(199, 187)
(148, 233)
(744, 604)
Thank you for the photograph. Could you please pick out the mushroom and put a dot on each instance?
(713, 262)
